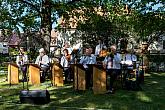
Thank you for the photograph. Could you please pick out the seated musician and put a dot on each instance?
(43, 61)
(128, 63)
(88, 58)
(21, 59)
(112, 65)
(129, 58)
(65, 62)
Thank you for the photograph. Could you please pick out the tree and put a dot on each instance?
(118, 19)
(31, 14)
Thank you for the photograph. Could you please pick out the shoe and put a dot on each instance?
(110, 92)
(24, 80)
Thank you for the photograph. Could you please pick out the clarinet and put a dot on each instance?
(40, 59)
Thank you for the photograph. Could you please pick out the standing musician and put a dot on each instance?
(88, 58)
(99, 48)
(112, 65)
(43, 61)
(67, 46)
(65, 62)
(21, 59)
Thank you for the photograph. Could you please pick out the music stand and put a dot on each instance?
(34, 73)
(13, 68)
(99, 79)
(57, 75)
(10, 62)
(79, 77)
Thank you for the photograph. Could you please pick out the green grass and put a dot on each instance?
(152, 97)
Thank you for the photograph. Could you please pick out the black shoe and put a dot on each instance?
(24, 80)
(110, 92)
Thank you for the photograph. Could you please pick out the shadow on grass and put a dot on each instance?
(151, 98)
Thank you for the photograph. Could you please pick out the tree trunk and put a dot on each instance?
(46, 24)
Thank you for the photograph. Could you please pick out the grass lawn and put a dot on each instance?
(152, 97)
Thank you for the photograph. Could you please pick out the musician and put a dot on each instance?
(112, 65)
(129, 58)
(43, 61)
(21, 59)
(67, 46)
(101, 46)
(65, 62)
(88, 58)
(128, 62)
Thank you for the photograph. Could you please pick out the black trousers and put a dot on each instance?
(113, 73)
(44, 72)
(24, 71)
(67, 74)
(89, 78)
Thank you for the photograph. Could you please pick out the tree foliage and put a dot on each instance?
(120, 18)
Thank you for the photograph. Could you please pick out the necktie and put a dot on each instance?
(111, 62)
(40, 60)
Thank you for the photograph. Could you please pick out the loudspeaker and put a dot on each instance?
(34, 96)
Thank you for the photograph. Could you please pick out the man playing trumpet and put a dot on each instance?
(112, 65)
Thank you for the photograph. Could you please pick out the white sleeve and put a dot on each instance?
(26, 58)
(45, 60)
(105, 60)
(37, 60)
(94, 60)
(81, 60)
(96, 50)
(134, 58)
(17, 60)
(117, 58)
(62, 61)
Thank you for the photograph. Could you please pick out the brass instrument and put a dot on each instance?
(103, 53)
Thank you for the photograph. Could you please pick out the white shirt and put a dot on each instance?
(44, 61)
(21, 60)
(98, 48)
(116, 62)
(69, 50)
(87, 60)
(64, 62)
(128, 59)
